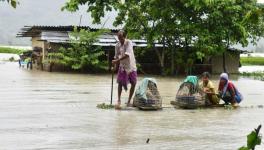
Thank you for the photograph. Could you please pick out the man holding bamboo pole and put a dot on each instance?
(125, 62)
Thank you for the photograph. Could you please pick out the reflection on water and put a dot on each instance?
(42, 110)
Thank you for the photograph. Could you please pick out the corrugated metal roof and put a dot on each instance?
(54, 35)
(106, 39)
(60, 34)
(30, 31)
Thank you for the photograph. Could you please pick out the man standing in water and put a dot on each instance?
(125, 61)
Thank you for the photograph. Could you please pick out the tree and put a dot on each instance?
(81, 53)
(226, 23)
(198, 28)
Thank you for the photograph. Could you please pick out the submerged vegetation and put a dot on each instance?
(228, 107)
(252, 61)
(105, 106)
(11, 59)
(255, 75)
(10, 50)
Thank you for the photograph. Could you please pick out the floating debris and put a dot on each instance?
(147, 141)
(260, 106)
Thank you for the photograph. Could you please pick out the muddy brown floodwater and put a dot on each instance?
(42, 110)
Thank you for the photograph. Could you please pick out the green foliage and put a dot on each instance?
(253, 139)
(81, 52)
(13, 3)
(201, 28)
(105, 106)
(10, 50)
(28, 59)
(252, 60)
(228, 107)
(200, 55)
(243, 148)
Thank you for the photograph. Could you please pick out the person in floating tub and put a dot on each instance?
(207, 86)
(228, 92)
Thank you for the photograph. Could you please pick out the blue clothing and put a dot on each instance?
(141, 91)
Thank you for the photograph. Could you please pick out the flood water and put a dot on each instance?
(251, 69)
(42, 110)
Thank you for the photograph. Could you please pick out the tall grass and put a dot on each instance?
(10, 50)
(252, 61)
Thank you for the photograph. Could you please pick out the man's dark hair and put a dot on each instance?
(123, 33)
(206, 74)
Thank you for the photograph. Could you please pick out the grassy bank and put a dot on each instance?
(10, 50)
(245, 61)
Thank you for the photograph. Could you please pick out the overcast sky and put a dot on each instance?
(48, 12)
(41, 12)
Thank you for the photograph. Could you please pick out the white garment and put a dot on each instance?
(129, 63)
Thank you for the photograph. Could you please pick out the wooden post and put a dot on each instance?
(112, 86)
(224, 63)
(109, 60)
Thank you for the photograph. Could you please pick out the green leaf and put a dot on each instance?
(253, 139)
(243, 148)
(13, 3)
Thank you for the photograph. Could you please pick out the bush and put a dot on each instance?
(11, 59)
(81, 53)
